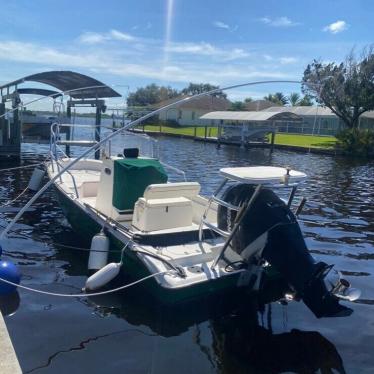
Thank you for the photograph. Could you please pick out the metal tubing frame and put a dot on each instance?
(238, 221)
(292, 195)
(216, 192)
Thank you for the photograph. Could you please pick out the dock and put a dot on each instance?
(8, 359)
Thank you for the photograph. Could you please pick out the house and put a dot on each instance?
(189, 113)
(318, 120)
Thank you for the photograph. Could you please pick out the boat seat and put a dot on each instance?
(160, 214)
(172, 190)
(88, 189)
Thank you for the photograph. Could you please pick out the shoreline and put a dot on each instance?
(214, 140)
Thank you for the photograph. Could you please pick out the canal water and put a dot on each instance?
(130, 334)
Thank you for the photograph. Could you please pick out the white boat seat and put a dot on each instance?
(88, 189)
(160, 214)
(171, 190)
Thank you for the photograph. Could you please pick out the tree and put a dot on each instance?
(294, 99)
(278, 98)
(306, 101)
(346, 88)
(238, 105)
(248, 100)
(197, 88)
(151, 94)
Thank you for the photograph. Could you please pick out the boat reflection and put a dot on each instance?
(9, 303)
(239, 341)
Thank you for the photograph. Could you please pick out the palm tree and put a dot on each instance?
(294, 99)
(277, 98)
(306, 101)
(281, 98)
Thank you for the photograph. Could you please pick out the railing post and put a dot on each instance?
(68, 131)
(97, 129)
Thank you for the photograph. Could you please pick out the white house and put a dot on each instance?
(189, 113)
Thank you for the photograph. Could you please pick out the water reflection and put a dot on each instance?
(240, 341)
(9, 303)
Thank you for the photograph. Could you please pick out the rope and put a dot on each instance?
(81, 248)
(23, 167)
(84, 294)
(15, 199)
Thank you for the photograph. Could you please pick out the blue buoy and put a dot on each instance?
(9, 272)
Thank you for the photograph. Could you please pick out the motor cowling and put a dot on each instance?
(283, 246)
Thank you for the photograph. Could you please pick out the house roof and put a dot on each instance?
(302, 110)
(251, 116)
(310, 111)
(80, 85)
(207, 102)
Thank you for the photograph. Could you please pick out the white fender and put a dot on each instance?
(98, 252)
(36, 179)
(103, 276)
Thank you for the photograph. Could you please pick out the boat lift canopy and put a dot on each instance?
(253, 116)
(67, 81)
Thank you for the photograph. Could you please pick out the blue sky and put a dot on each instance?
(133, 43)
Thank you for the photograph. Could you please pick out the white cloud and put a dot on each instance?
(279, 22)
(96, 38)
(336, 27)
(190, 63)
(207, 49)
(221, 25)
(288, 60)
(268, 57)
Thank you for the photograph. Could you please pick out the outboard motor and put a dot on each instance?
(270, 223)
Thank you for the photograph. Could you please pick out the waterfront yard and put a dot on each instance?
(298, 140)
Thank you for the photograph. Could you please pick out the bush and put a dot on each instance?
(356, 142)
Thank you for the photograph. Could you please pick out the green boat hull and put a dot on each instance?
(133, 268)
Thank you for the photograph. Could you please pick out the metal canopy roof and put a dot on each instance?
(251, 116)
(38, 91)
(67, 81)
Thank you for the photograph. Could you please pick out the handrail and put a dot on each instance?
(238, 220)
(72, 177)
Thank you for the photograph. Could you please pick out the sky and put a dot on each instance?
(131, 43)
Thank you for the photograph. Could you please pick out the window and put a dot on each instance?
(193, 116)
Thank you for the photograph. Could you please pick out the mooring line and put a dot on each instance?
(22, 167)
(15, 199)
(84, 294)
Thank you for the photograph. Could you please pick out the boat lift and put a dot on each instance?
(83, 91)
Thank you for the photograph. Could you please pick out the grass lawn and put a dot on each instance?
(183, 130)
(307, 141)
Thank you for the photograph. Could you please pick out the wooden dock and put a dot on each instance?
(8, 359)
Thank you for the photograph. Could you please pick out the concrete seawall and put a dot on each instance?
(8, 358)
